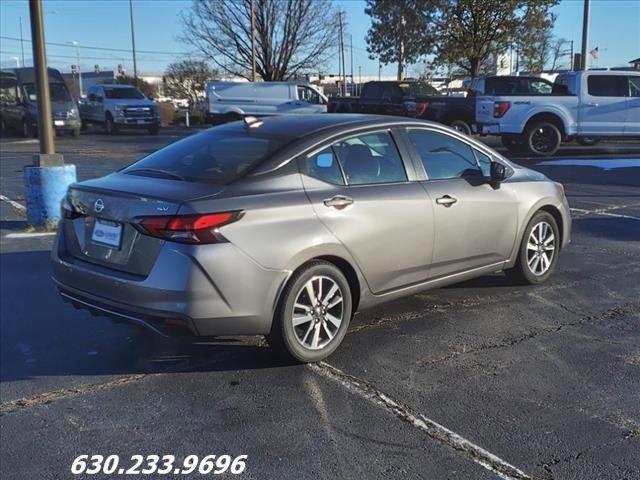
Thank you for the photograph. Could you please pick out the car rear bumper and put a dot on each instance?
(205, 290)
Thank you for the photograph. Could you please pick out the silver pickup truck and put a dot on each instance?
(119, 106)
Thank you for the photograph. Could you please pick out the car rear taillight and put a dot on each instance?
(202, 228)
(421, 108)
(500, 108)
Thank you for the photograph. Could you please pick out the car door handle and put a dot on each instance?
(592, 104)
(339, 202)
(447, 201)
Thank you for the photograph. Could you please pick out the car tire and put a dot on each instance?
(538, 251)
(109, 126)
(83, 125)
(75, 132)
(27, 129)
(542, 139)
(461, 126)
(303, 329)
(153, 130)
(587, 141)
(3, 126)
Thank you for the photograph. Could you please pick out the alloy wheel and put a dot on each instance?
(543, 139)
(317, 312)
(541, 248)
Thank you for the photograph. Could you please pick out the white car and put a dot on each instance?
(584, 105)
(229, 101)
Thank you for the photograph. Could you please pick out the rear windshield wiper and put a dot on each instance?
(156, 170)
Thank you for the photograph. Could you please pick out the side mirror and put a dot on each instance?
(498, 172)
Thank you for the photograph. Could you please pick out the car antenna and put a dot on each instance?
(252, 122)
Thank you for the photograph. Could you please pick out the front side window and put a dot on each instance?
(323, 166)
(634, 86)
(308, 94)
(605, 86)
(443, 156)
(370, 158)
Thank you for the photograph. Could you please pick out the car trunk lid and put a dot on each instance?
(105, 212)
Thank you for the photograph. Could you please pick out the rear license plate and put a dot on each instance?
(107, 233)
(141, 122)
(58, 123)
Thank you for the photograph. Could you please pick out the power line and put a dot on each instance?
(86, 47)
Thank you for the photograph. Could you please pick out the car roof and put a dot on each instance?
(114, 85)
(303, 125)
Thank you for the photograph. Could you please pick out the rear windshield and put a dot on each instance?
(123, 93)
(418, 89)
(219, 155)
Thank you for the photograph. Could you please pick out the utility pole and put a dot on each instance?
(359, 80)
(341, 59)
(133, 45)
(351, 41)
(45, 128)
(379, 69)
(21, 43)
(585, 35)
(47, 180)
(75, 44)
(253, 42)
(571, 65)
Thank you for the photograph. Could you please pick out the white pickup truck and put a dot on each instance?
(586, 106)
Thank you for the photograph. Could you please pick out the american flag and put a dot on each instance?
(594, 53)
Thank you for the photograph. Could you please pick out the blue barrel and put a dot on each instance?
(45, 187)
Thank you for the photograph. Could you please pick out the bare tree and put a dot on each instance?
(187, 79)
(292, 36)
(558, 52)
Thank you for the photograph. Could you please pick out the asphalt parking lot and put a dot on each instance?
(478, 380)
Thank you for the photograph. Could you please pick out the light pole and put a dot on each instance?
(17, 61)
(133, 44)
(585, 35)
(75, 44)
(21, 42)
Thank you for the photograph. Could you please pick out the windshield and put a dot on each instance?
(123, 93)
(58, 92)
(219, 155)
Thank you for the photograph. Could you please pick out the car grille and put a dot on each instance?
(61, 115)
(138, 112)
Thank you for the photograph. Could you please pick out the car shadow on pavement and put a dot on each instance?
(611, 228)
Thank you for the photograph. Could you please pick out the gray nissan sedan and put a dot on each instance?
(287, 226)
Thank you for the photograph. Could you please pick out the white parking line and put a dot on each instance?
(603, 211)
(13, 203)
(436, 431)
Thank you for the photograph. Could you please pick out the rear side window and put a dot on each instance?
(323, 166)
(371, 90)
(605, 85)
(370, 158)
(442, 156)
(219, 155)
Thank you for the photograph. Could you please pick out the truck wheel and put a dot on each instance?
(76, 132)
(3, 126)
(542, 139)
(461, 126)
(83, 125)
(153, 130)
(27, 129)
(587, 141)
(109, 126)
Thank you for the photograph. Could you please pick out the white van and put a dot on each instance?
(228, 101)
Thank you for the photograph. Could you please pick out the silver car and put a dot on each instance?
(287, 226)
